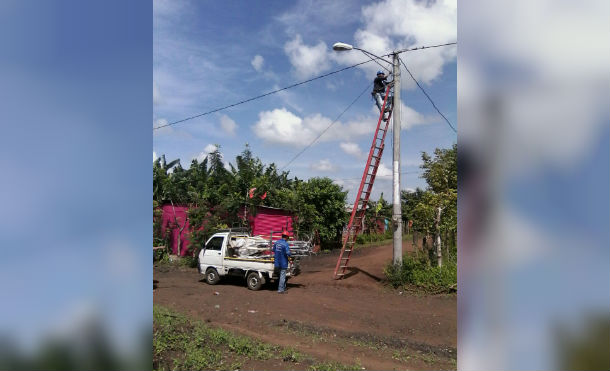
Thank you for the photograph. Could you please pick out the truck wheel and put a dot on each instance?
(254, 281)
(211, 276)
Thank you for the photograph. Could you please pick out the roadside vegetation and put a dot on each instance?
(216, 192)
(433, 213)
(416, 273)
(181, 343)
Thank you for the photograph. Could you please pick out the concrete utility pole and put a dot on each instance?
(396, 207)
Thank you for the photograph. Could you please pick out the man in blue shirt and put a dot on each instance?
(281, 251)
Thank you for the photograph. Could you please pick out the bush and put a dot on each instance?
(160, 255)
(365, 238)
(419, 273)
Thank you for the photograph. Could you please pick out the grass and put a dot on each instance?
(374, 240)
(405, 356)
(394, 350)
(185, 344)
(332, 366)
(163, 259)
(419, 273)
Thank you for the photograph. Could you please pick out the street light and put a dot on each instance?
(396, 207)
(342, 46)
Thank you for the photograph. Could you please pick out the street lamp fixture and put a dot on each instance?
(342, 47)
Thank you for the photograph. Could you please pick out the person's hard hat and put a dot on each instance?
(380, 72)
(284, 233)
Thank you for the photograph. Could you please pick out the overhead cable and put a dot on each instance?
(328, 127)
(294, 85)
(427, 96)
(260, 96)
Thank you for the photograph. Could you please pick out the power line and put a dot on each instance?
(421, 47)
(427, 96)
(325, 130)
(294, 85)
(371, 55)
(260, 96)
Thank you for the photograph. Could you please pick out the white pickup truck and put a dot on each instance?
(218, 259)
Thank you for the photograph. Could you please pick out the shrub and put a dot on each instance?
(365, 238)
(419, 273)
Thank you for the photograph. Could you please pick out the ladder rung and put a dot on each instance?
(343, 266)
(340, 274)
(346, 250)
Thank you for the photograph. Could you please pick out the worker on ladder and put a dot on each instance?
(379, 86)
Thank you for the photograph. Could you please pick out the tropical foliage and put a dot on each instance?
(217, 194)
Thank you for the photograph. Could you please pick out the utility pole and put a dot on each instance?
(396, 207)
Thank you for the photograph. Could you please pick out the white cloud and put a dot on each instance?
(281, 126)
(154, 156)
(227, 125)
(284, 127)
(352, 149)
(400, 24)
(411, 117)
(350, 185)
(257, 62)
(384, 171)
(324, 165)
(206, 151)
(308, 61)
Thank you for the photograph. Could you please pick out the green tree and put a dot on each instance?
(436, 210)
(409, 200)
(161, 178)
(321, 206)
(440, 171)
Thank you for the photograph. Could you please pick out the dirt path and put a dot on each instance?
(355, 320)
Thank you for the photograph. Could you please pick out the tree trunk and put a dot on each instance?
(437, 240)
(180, 228)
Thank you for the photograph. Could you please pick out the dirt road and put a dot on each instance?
(355, 320)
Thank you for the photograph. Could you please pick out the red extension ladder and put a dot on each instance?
(354, 227)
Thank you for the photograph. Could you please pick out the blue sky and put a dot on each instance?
(207, 55)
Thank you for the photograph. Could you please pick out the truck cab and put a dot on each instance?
(218, 259)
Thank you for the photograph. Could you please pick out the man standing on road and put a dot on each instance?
(281, 251)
